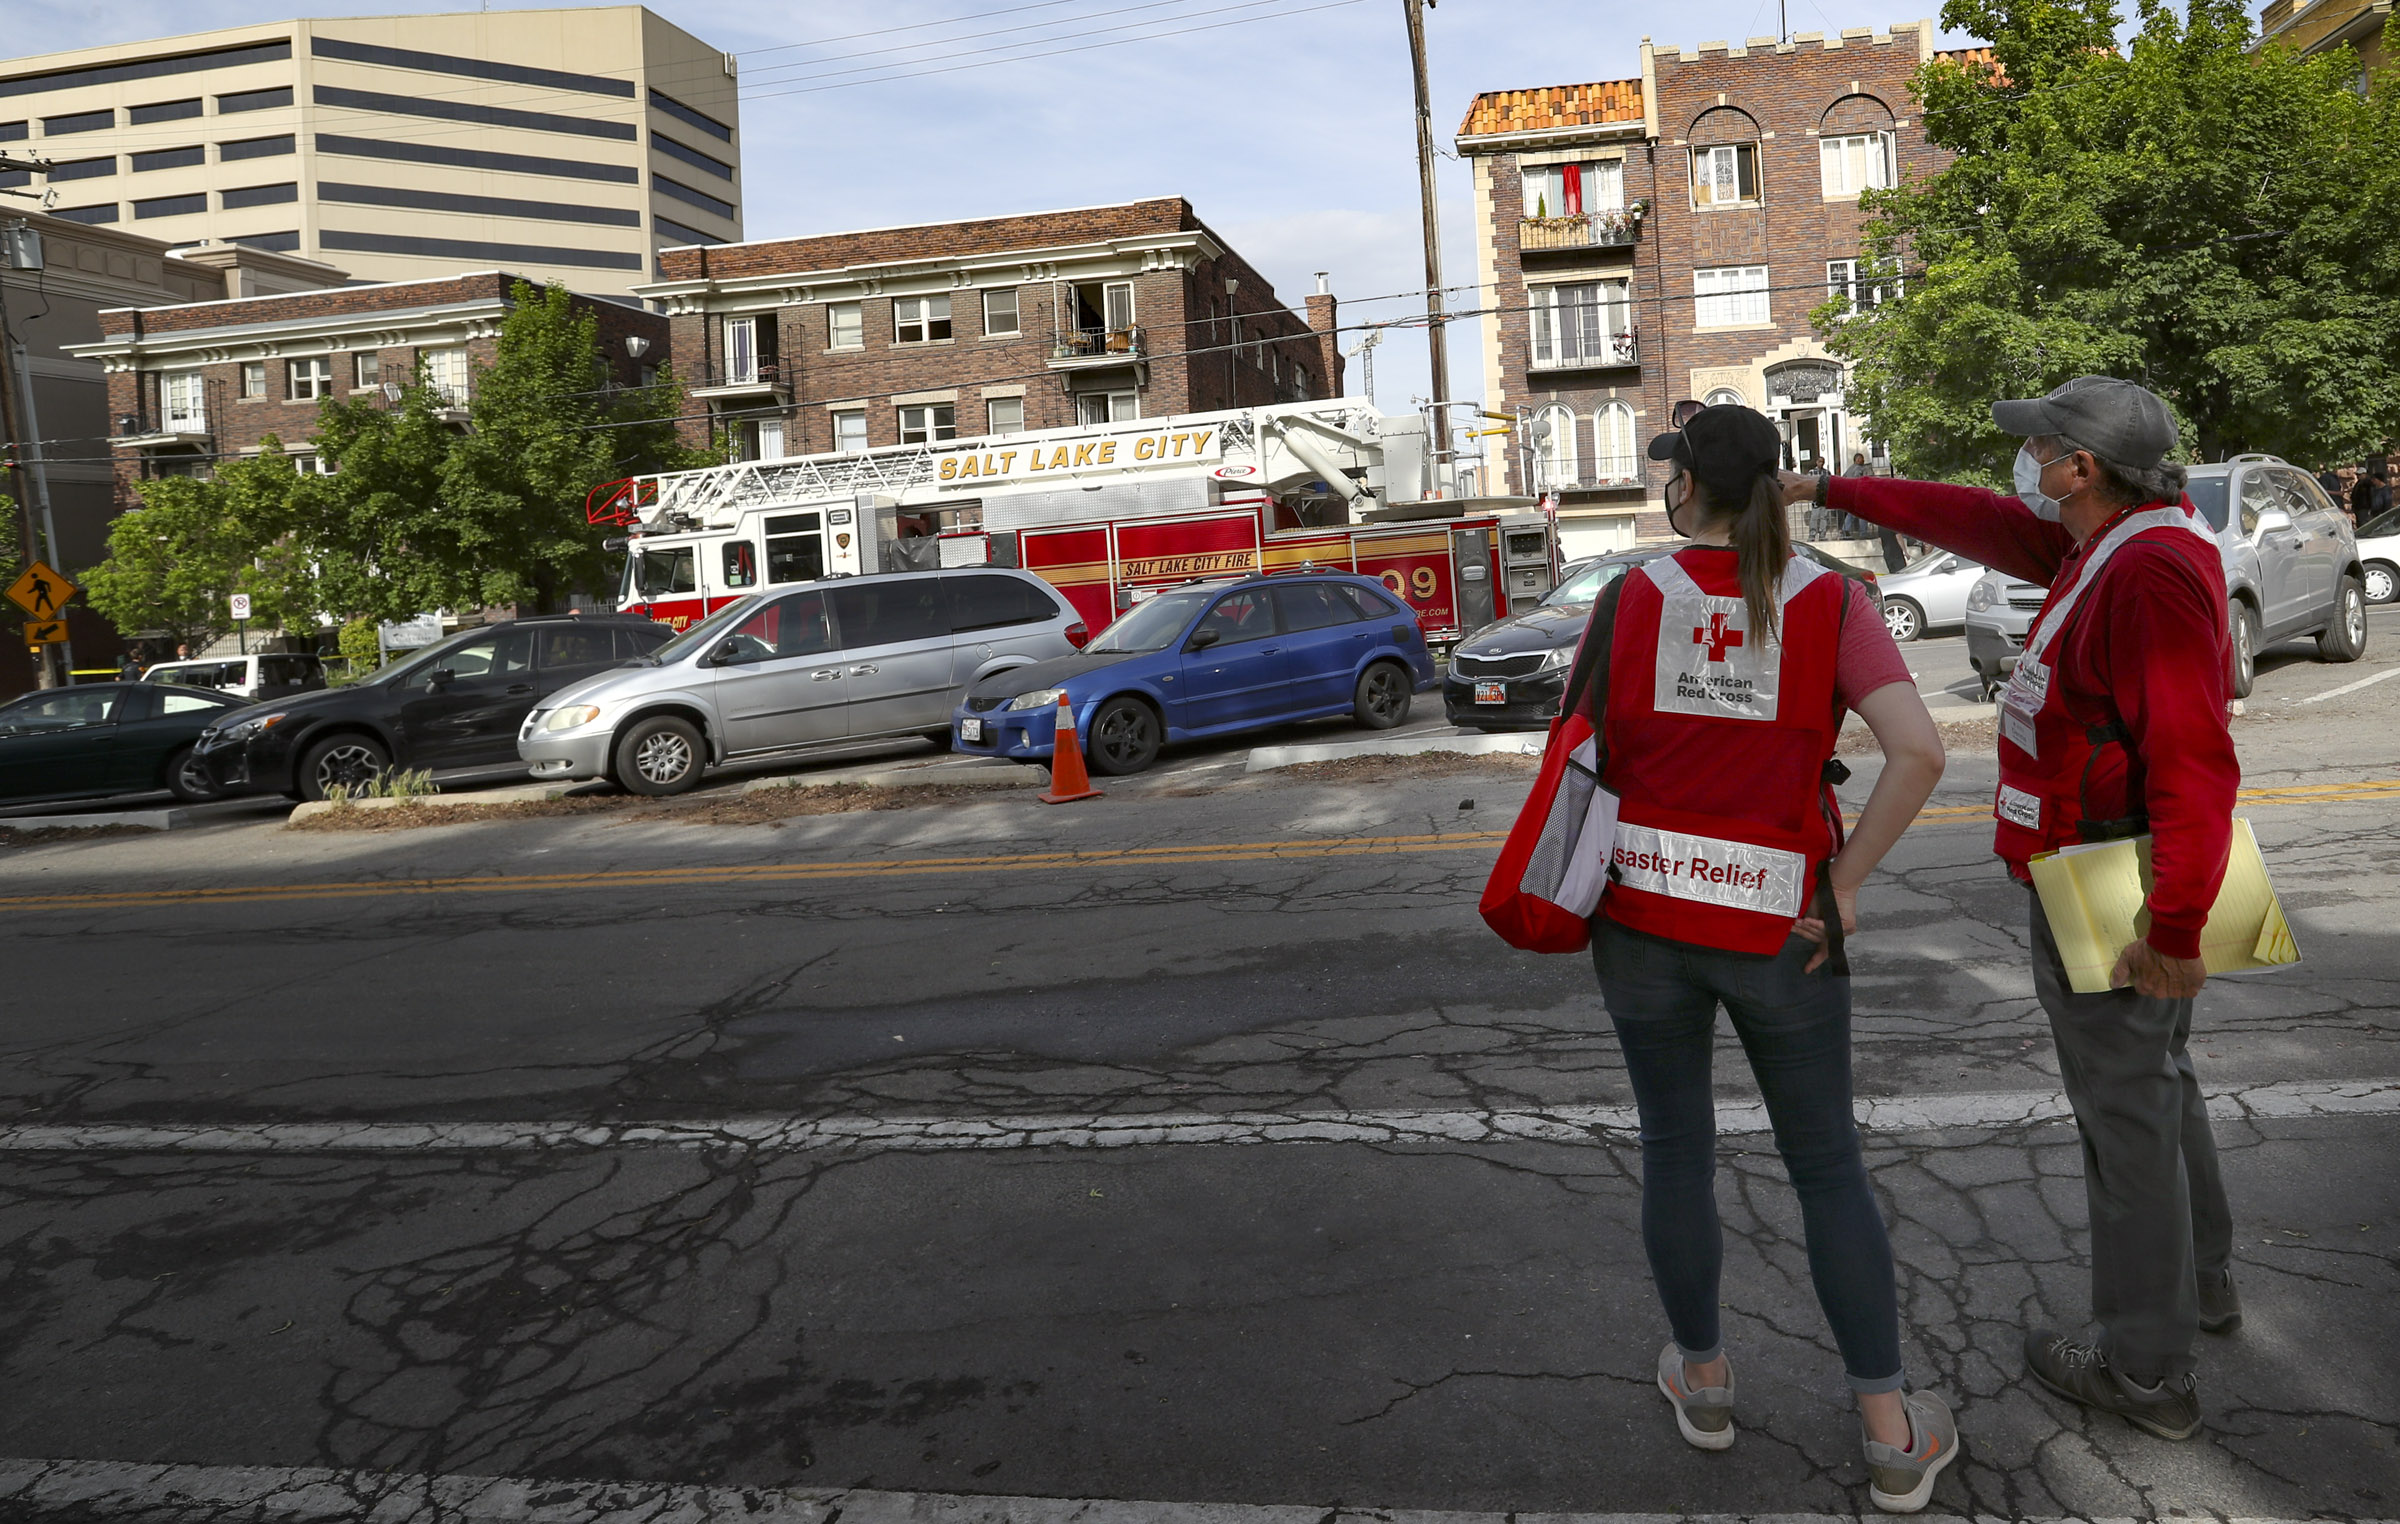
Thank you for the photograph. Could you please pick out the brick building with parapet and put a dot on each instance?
(1650, 239)
(899, 335)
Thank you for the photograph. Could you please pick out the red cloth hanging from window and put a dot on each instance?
(1572, 195)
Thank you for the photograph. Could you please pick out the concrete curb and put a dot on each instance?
(490, 798)
(1525, 744)
(973, 772)
(175, 818)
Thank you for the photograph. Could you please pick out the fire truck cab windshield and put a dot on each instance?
(659, 573)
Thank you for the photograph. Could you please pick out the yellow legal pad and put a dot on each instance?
(2095, 894)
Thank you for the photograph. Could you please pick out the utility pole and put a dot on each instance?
(1436, 341)
(23, 425)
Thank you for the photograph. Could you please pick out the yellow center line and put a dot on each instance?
(1020, 862)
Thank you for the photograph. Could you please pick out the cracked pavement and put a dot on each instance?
(1420, 1319)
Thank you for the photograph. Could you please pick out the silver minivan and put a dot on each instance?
(827, 663)
(2291, 563)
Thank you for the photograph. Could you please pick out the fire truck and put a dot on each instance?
(1108, 514)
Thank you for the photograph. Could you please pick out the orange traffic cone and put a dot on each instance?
(1068, 781)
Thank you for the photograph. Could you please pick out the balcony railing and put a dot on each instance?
(1586, 351)
(755, 375)
(1100, 344)
(1616, 471)
(1585, 230)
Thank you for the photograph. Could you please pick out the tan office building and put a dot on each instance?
(563, 144)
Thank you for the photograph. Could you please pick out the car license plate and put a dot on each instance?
(970, 730)
(1491, 693)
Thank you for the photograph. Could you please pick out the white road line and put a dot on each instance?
(2369, 681)
(1981, 1110)
(316, 1495)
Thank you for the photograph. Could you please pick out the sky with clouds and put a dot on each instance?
(1286, 122)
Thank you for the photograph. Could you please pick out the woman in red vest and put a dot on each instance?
(1730, 668)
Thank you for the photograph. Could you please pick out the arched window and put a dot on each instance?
(1724, 155)
(1724, 396)
(1613, 456)
(1857, 148)
(1554, 462)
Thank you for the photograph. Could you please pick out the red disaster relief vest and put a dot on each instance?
(2051, 763)
(1717, 745)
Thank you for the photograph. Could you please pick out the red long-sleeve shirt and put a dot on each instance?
(2151, 651)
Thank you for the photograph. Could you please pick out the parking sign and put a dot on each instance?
(241, 605)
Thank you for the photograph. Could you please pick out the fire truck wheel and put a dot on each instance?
(661, 755)
(1383, 696)
(1124, 737)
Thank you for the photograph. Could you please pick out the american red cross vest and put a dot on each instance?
(2051, 763)
(1717, 742)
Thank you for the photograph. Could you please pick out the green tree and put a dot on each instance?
(174, 561)
(2208, 221)
(422, 516)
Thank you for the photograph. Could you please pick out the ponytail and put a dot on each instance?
(1762, 546)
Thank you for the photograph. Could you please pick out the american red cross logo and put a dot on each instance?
(1718, 637)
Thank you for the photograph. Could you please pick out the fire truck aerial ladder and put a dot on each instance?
(1107, 513)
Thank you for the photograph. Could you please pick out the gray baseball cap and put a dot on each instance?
(2122, 423)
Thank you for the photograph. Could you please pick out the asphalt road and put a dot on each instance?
(1194, 1144)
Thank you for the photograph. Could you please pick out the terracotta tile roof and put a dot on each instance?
(1603, 101)
(1975, 61)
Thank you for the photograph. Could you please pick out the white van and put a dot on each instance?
(272, 675)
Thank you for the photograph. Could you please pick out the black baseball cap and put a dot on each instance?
(1726, 443)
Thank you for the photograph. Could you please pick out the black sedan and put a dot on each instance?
(455, 704)
(100, 739)
(1509, 674)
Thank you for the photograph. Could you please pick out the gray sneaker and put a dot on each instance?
(1900, 1481)
(2220, 1304)
(1705, 1416)
(2080, 1371)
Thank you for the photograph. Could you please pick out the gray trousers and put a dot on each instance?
(2150, 1176)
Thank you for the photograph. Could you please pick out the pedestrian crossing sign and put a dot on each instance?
(45, 632)
(42, 592)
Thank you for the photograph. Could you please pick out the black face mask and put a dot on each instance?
(1675, 505)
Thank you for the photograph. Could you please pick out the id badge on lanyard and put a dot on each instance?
(2021, 700)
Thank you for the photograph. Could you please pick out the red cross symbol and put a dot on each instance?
(1717, 637)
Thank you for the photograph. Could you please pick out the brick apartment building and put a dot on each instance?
(193, 384)
(1650, 239)
(850, 341)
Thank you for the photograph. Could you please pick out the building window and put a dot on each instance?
(254, 378)
(80, 121)
(310, 463)
(843, 329)
(1861, 283)
(179, 400)
(1588, 323)
(929, 424)
(163, 111)
(1726, 175)
(366, 369)
(1004, 415)
(1724, 396)
(258, 195)
(1000, 312)
(1554, 462)
(1570, 190)
(749, 351)
(106, 211)
(445, 375)
(254, 148)
(171, 206)
(1729, 296)
(169, 158)
(307, 380)
(920, 319)
(850, 432)
(1849, 165)
(254, 100)
(1613, 457)
(1107, 407)
(759, 440)
(83, 169)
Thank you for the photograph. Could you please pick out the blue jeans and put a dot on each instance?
(1663, 997)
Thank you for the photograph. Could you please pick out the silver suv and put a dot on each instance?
(843, 660)
(2291, 569)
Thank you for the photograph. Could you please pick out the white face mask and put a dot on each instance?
(2029, 485)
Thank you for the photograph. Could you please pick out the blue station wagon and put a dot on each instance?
(1210, 660)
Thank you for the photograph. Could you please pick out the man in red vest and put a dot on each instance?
(2112, 724)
